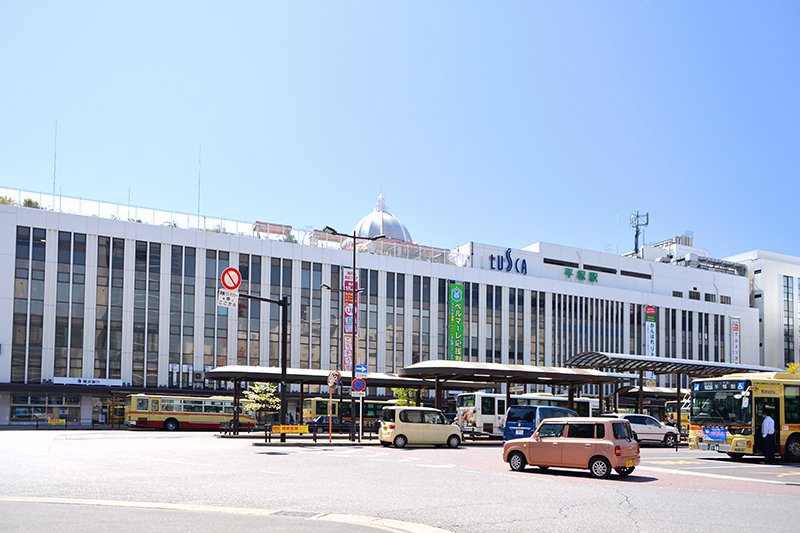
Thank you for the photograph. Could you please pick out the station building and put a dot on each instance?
(99, 298)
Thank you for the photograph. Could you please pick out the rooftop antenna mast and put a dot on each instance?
(637, 223)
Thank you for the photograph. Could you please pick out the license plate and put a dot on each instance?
(518, 432)
(629, 463)
(713, 447)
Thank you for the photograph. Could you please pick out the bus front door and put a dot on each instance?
(773, 407)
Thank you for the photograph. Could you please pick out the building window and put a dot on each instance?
(181, 316)
(711, 297)
(725, 300)
(788, 320)
(108, 320)
(694, 295)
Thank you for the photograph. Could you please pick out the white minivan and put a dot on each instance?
(401, 425)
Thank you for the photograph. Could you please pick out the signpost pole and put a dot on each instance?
(330, 415)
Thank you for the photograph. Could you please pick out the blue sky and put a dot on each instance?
(498, 122)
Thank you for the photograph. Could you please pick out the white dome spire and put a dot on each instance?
(381, 222)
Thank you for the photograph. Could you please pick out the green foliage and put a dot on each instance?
(27, 202)
(262, 395)
(289, 238)
(405, 396)
(7, 200)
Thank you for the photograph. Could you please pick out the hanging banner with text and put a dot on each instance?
(456, 337)
(650, 326)
(735, 325)
(350, 318)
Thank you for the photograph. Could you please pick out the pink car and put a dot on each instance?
(597, 444)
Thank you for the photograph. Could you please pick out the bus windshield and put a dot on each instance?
(465, 400)
(720, 407)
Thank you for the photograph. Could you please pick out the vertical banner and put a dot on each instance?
(735, 325)
(456, 336)
(650, 327)
(350, 318)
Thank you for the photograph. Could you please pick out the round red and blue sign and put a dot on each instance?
(359, 384)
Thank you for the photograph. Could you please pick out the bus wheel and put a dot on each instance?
(793, 449)
(736, 456)
(170, 424)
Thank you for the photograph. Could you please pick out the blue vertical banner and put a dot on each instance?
(455, 350)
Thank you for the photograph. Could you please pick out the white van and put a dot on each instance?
(417, 425)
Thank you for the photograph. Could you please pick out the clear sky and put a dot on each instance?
(503, 122)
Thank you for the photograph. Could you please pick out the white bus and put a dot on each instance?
(484, 413)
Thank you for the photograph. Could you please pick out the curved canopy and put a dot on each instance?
(659, 365)
(500, 373)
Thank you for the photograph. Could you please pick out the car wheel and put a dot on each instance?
(453, 441)
(625, 471)
(517, 461)
(669, 440)
(400, 441)
(170, 424)
(600, 467)
(792, 452)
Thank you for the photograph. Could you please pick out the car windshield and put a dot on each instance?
(720, 407)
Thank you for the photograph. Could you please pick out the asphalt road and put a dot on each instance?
(156, 481)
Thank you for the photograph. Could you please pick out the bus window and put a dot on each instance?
(154, 406)
(487, 405)
(141, 404)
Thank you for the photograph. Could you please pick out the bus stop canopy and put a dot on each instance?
(667, 392)
(445, 371)
(308, 376)
(659, 365)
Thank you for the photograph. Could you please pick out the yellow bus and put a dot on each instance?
(313, 407)
(184, 412)
(726, 413)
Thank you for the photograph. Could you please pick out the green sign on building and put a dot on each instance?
(456, 329)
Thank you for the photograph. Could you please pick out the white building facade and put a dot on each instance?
(775, 292)
(132, 304)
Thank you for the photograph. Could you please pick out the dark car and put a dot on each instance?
(320, 424)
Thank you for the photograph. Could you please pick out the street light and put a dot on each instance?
(330, 231)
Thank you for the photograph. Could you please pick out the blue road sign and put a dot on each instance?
(359, 384)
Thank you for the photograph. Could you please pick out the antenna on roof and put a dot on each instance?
(637, 222)
(55, 147)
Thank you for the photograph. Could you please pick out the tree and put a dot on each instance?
(7, 200)
(794, 368)
(405, 396)
(27, 202)
(262, 395)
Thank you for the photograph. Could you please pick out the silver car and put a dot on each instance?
(648, 429)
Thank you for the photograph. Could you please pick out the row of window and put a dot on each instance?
(578, 323)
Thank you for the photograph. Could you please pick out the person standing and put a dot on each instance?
(768, 437)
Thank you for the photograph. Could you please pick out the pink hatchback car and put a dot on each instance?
(597, 444)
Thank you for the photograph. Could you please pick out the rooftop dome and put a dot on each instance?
(381, 222)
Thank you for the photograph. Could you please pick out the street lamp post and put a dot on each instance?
(284, 305)
(330, 231)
